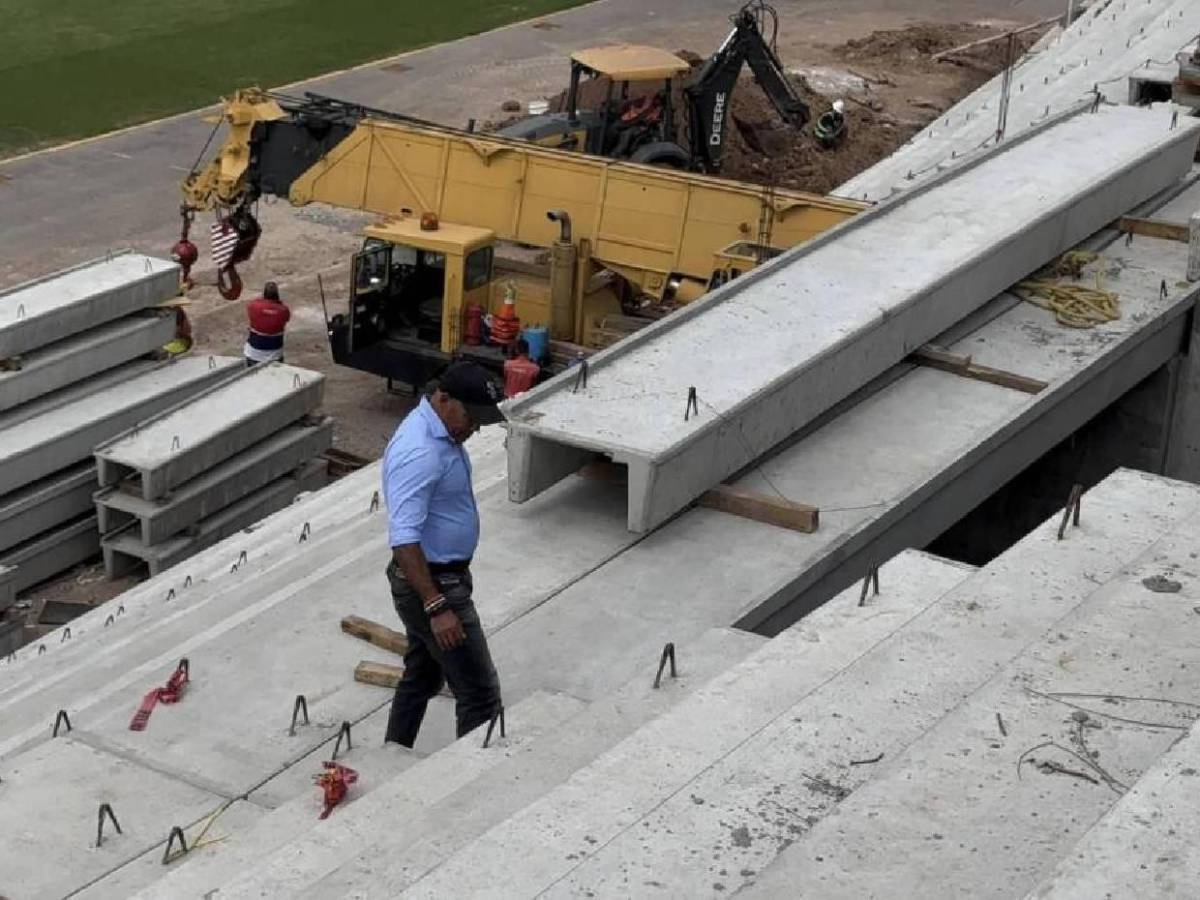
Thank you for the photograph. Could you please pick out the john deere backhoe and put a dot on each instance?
(621, 237)
(637, 119)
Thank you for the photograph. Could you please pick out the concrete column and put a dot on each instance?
(1193, 268)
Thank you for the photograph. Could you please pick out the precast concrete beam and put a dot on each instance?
(51, 552)
(699, 395)
(206, 429)
(11, 418)
(217, 488)
(64, 303)
(66, 434)
(83, 355)
(125, 552)
(51, 501)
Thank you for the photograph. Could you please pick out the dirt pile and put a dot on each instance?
(904, 89)
(901, 90)
(913, 47)
(786, 158)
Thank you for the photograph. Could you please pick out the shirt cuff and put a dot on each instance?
(398, 536)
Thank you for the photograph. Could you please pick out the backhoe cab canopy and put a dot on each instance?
(631, 62)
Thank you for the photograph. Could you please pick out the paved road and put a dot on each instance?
(63, 206)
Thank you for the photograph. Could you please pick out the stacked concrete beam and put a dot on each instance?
(823, 320)
(44, 468)
(84, 355)
(75, 369)
(72, 301)
(194, 474)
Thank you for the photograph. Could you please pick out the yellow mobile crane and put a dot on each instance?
(447, 196)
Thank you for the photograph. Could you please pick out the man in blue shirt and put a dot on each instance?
(433, 527)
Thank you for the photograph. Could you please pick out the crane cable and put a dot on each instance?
(1074, 305)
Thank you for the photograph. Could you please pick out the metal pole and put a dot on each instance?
(1006, 86)
(1070, 14)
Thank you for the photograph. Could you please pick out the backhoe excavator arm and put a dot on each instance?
(708, 94)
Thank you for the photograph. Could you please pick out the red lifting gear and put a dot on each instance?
(172, 693)
(335, 781)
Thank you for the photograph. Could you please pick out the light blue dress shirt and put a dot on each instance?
(427, 488)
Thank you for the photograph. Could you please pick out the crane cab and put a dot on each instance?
(409, 289)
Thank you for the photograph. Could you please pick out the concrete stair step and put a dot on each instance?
(1146, 845)
(978, 808)
(147, 647)
(653, 762)
(269, 543)
(415, 844)
(246, 834)
(420, 784)
(353, 556)
(48, 816)
(609, 809)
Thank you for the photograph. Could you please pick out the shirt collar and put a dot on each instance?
(437, 428)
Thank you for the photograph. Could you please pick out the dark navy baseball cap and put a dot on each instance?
(474, 387)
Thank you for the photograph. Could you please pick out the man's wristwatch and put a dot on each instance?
(436, 605)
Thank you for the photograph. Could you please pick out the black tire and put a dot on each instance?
(661, 153)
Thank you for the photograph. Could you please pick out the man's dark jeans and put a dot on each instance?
(467, 668)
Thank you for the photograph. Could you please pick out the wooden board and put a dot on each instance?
(374, 633)
(379, 674)
(761, 508)
(938, 358)
(385, 676)
(1155, 228)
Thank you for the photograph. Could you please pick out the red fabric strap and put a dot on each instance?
(171, 693)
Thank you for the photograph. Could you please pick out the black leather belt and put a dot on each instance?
(444, 568)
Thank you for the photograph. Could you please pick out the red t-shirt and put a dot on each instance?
(267, 317)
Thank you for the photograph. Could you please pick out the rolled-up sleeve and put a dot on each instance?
(410, 477)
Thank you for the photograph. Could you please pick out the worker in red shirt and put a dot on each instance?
(520, 372)
(268, 316)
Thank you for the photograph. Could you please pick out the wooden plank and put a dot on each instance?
(378, 674)
(761, 508)
(374, 633)
(955, 364)
(1155, 228)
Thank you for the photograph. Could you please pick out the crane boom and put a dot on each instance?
(643, 222)
(648, 224)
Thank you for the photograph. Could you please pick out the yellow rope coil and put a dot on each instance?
(1073, 305)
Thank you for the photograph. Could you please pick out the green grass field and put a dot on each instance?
(73, 68)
